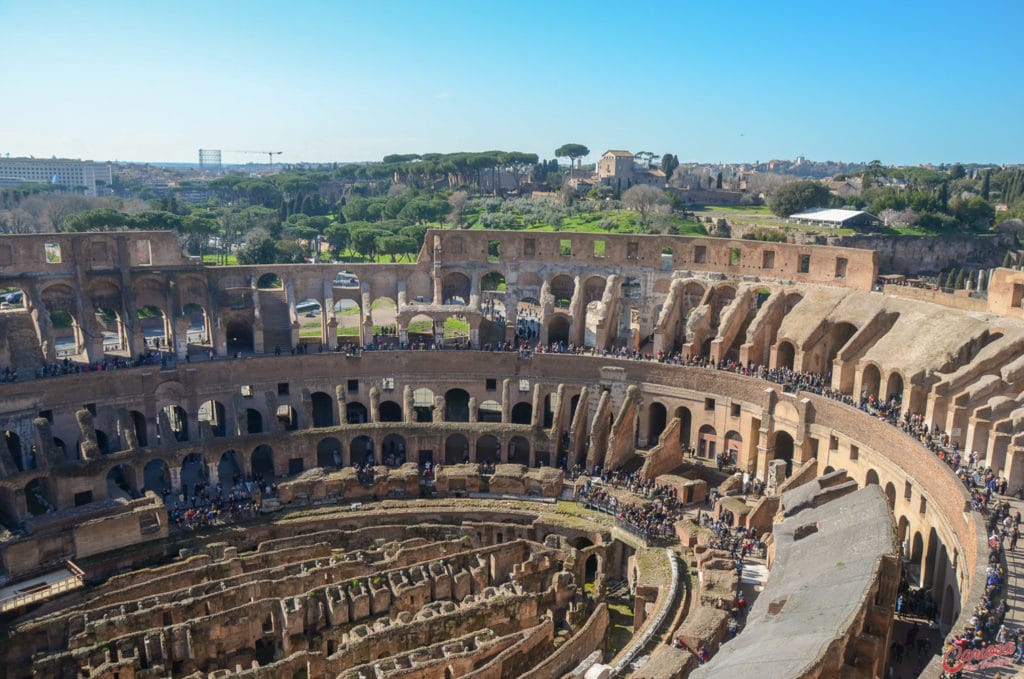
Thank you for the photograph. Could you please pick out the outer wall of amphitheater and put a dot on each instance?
(72, 431)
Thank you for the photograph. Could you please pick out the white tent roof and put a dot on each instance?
(830, 215)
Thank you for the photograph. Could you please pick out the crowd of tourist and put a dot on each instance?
(654, 519)
(69, 367)
(217, 504)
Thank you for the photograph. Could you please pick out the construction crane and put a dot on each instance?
(270, 154)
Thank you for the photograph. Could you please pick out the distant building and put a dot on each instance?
(837, 218)
(618, 169)
(84, 176)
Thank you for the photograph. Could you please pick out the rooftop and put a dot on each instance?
(834, 215)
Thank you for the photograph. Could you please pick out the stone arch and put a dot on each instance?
(917, 550)
(239, 336)
(229, 469)
(270, 281)
(193, 472)
(785, 355)
(518, 450)
(384, 314)
(348, 315)
(14, 447)
(656, 420)
(707, 442)
(948, 611)
(488, 449)
(522, 413)
(820, 357)
(871, 479)
(456, 449)
(890, 495)
(421, 329)
(783, 450)
(423, 404)
(361, 451)
(356, 413)
(930, 557)
(212, 411)
(178, 419)
(199, 329)
(894, 387)
(156, 476)
(393, 450)
(262, 461)
(38, 496)
(328, 453)
(345, 280)
(558, 328)
(322, 406)
(152, 321)
(489, 411)
(103, 442)
(121, 481)
(493, 281)
(902, 530)
(456, 405)
(562, 288)
(111, 324)
(733, 444)
(390, 411)
(870, 381)
(685, 425)
(456, 288)
(529, 318)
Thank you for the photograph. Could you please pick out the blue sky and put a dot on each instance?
(901, 81)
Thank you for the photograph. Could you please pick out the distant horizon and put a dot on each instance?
(908, 83)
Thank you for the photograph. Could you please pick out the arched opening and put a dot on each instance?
(311, 320)
(685, 424)
(593, 291)
(177, 418)
(489, 411)
(212, 412)
(253, 421)
(917, 551)
(287, 417)
(488, 449)
(270, 281)
(558, 329)
(229, 471)
(384, 317)
(348, 316)
(785, 355)
(522, 413)
(562, 288)
(153, 323)
(390, 411)
(62, 448)
(947, 614)
(872, 478)
(323, 409)
(37, 497)
(393, 450)
(549, 412)
(656, 417)
(707, 440)
(931, 552)
(733, 442)
(239, 336)
(423, 404)
(355, 413)
(518, 451)
(112, 328)
(894, 388)
(193, 474)
(345, 280)
(890, 497)
(262, 462)
(784, 450)
(140, 426)
(456, 449)
(60, 302)
(156, 477)
(455, 289)
(492, 308)
(120, 482)
(421, 330)
(198, 334)
(360, 451)
(528, 321)
(869, 382)
(328, 453)
(456, 405)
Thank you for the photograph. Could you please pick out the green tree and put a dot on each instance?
(337, 235)
(365, 240)
(975, 213)
(669, 163)
(258, 248)
(718, 181)
(644, 199)
(957, 171)
(961, 279)
(1007, 261)
(572, 152)
(797, 197)
(986, 184)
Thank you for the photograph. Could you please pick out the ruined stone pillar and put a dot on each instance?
(506, 401)
(374, 404)
(537, 416)
(213, 473)
(90, 446)
(175, 473)
(408, 411)
(472, 411)
(339, 395)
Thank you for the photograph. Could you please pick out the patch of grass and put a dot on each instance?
(620, 626)
(230, 260)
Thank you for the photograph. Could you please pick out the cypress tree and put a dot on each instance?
(1007, 260)
(960, 280)
(986, 183)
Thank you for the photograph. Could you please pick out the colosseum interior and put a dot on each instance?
(387, 470)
